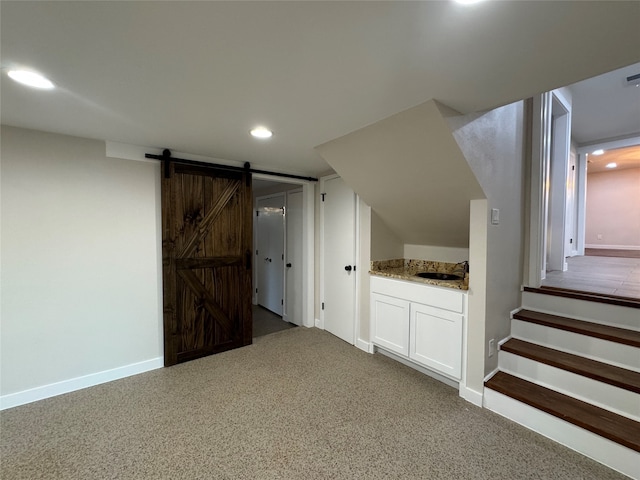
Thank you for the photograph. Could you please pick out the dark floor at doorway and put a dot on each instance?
(266, 322)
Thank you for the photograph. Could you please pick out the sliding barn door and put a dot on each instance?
(206, 261)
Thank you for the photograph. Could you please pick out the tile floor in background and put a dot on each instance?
(266, 322)
(608, 275)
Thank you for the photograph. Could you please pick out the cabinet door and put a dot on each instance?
(390, 323)
(436, 339)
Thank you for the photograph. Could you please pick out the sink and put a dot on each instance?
(439, 276)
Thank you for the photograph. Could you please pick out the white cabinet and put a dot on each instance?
(390, 323)
(423, 323)
(436, 339)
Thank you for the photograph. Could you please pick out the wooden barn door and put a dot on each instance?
(206, 261)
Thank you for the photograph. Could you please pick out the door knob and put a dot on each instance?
(348, 268)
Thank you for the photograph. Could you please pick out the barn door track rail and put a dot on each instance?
(167, 159)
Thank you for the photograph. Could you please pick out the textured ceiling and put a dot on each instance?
(196, 76)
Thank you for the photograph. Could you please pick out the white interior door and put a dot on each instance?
(293, 265)
(557, 181)
(270, 256)
(339, 253)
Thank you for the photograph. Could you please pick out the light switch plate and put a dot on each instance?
(495, 216)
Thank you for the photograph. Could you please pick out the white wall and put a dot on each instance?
(613, 209)
(81, 263)
(493, 144)
(410, 170)
(436, 253)
(385, 244)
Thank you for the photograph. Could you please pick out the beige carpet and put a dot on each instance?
(298, 404)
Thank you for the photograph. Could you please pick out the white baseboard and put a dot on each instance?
(362, 345)
(594, 446)
(39, 393)
(470, 395)
(491, 373)
(614, 247)
(319, 324)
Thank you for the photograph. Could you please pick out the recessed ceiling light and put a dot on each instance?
(611, 165)
(261, 132)
(31, 79)
(597, 152)
(467, 2)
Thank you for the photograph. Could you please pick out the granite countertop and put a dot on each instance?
(404, 269)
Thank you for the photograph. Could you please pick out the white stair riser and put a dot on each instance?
(602, 450)
(615, 399)
(624, 356)
(614, 315)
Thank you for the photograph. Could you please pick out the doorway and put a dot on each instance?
(564, 253)
(608, 222)
(281, 249)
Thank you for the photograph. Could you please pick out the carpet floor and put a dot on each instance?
(297, 404)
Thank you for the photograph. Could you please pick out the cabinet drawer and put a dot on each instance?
(439, 297)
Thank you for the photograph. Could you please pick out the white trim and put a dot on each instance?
(491, 374)
(46, 391)
(308, 236)
(629, 141)
(308, 254)
(613, 247)
(356, 263)
(594, 446)
(319, 323)
(541, 112)
(471, 396)
(364, 345)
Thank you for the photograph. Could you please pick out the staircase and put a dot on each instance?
(571, 372)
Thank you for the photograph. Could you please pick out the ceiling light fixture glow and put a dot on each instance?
(597, 152)
(31, 79)
(467, 2)
(261, 132)
(611, 165)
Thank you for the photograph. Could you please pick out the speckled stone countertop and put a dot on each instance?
(404, 269)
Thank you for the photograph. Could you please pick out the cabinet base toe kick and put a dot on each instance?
(450, 381)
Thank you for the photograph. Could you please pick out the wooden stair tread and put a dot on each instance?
(602, 422)
(603, 372)
(604, 332)
(630, 302)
